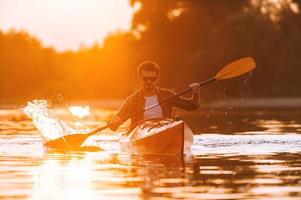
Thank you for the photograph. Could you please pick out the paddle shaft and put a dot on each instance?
(153, 106)
(233, 69)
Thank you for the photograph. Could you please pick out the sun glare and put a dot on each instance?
(80, 111)
(274, 8)
(67, 24)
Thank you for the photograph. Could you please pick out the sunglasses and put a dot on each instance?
(152, 79)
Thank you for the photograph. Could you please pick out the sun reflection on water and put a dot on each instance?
(277, 126)
(55, 179)
(75, 176)
(80, 111)
(233, 166)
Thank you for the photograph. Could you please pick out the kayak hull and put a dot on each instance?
(169, 138)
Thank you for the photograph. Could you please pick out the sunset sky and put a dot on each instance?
(66, 24)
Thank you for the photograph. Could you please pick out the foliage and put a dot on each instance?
(190, 39)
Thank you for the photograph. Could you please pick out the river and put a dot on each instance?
(237, 154)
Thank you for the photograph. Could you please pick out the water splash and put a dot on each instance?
(48, 125)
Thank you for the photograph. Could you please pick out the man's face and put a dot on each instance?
(148, 79)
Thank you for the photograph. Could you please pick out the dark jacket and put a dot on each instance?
(136, 103)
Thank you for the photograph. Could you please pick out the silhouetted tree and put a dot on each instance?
(190, 39)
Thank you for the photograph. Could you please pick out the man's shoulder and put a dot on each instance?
(135, 95)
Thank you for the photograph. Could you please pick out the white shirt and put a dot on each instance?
(154, 112)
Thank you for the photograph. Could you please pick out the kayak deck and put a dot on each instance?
(163, 136)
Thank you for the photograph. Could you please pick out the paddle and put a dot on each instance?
(234, 69)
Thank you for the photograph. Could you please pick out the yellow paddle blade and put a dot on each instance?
(236, 68)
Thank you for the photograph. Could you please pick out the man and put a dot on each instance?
(150, 94)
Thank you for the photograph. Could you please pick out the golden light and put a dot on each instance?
(75, 177)
(79, 177)
(172, 14)
(80, 111)
(274, 8)
(67, 24)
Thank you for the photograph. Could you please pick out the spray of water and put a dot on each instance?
(48, 125)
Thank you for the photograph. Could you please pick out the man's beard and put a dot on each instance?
(149, 87)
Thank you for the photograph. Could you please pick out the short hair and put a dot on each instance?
(148, 66)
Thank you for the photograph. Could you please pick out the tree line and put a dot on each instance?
(190, 39)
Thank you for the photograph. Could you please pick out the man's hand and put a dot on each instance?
(115, 123)
(194, 87)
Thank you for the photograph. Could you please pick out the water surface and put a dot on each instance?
(236, 155)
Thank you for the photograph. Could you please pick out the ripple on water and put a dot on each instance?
(246, 144)
(253, 164)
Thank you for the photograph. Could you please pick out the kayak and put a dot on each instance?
(158, 136)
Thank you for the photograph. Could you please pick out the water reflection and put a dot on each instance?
(235, 166)
(80, 111)
(103, 175)
(94, 176)
(66, 178)
(248, 178)
(238, 121)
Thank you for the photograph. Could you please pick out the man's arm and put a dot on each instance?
(120, 117)
(189, 103)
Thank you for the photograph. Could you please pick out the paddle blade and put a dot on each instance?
(71, 142)
(236, 68)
